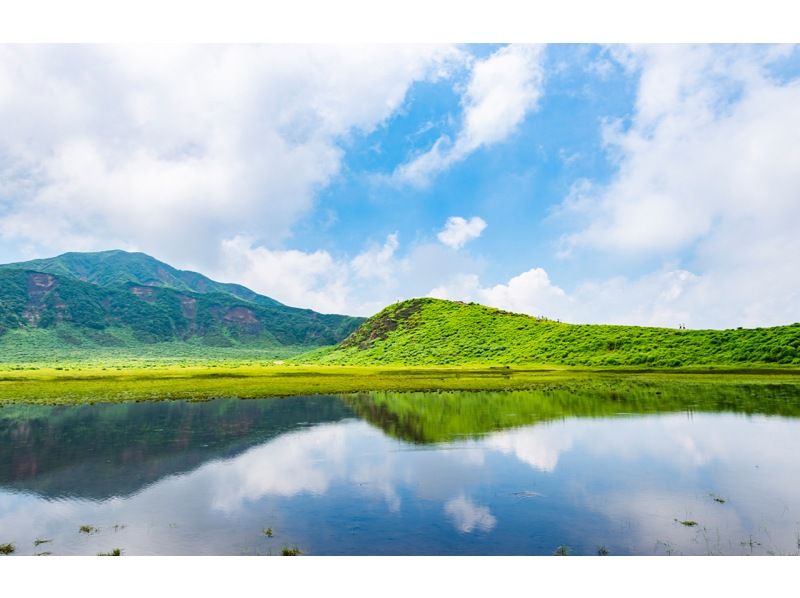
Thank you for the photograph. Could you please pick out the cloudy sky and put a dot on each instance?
(647, 185)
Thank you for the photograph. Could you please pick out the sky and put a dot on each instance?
(650, 185)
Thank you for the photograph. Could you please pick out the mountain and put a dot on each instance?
(116, 268)
(115, 298)
(438, 332)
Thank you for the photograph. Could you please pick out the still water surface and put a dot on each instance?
(637, 471)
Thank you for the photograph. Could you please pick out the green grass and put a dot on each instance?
(7, 548)
(68, 346)
(423, 332)
(76, 383)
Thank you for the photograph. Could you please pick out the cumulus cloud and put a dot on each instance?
(708, 171)
(667, 297)
(502, 90)
(467, 516)
(174, 149)
(359, 285)
(458, 231)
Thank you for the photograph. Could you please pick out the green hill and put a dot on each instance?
(437, 332)
(105, 301)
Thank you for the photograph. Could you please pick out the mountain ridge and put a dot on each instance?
(118, 298)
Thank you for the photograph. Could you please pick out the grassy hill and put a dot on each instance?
(438, 332)
(120, 303)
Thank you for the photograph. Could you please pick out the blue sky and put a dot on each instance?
(649, 185)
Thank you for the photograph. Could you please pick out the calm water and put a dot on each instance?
(449, 473)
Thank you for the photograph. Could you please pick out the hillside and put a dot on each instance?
(438, 332)
(115, 268)
(114, 299)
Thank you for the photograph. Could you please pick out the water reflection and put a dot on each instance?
(465, 473)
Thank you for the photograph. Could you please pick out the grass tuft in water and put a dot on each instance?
(602, 551)
(295, 551)
(115, 552)
(268, 532)
(561, 551)
(88, 529)
(7, 548)
(717, 498)
(687, 522)
(39, 541)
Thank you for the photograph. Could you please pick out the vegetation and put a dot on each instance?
(88, 529)
(446, 416)
(295, 551)
(7, 548)
(115, 381)
(268, 532)
(114, 552)
(422, 332)
(122, 301)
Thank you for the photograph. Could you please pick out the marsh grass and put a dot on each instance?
(86, 383)
(40, 541)
(561, 551)
(7, 548)
(687, 522)
(114, 552)
(268, 532)
(88, 529)
(294, 551)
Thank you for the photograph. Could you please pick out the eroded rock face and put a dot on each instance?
(39, 288)
(189, 308)
(242, 318)
(147, 294)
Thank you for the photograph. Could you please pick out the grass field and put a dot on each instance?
(79, 382)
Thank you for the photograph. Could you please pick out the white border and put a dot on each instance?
(404, 577)
(182, 21)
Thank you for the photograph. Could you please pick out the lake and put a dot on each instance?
(628, 469)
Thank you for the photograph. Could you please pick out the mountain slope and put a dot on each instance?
(438, 332)
(116, 299)
(116, 267)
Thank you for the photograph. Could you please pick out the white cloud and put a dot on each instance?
(458, 231)
(359, 285)
(173, 149)
(502, 90)
(467, 516)
(707, 170)
(530, 293)
(377, 262)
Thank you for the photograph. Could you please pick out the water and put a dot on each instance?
(633, 471)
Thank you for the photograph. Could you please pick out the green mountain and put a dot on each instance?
(437, 332)
(116, 268)
(119, 299)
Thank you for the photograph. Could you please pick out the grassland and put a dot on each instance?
(79, 382)
(423, 332)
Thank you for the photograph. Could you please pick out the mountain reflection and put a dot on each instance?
(102, 450)
(436, 473)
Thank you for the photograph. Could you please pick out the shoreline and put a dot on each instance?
(76, 385)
